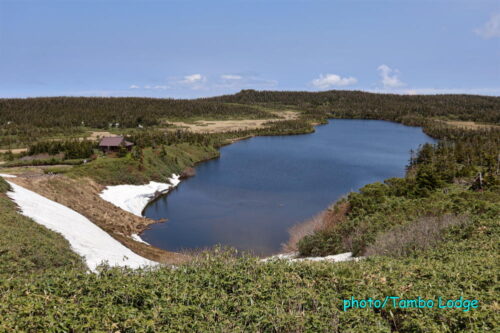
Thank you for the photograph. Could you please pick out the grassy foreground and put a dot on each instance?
(220, 293)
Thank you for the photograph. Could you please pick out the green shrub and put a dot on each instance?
(223, 293)
(371, 216)
(321, 243)
(4, 186)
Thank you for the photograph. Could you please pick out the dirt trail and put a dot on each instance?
(82, 195)
(218, 126)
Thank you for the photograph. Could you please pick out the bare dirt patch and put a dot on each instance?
(94, 136)
(14, 151)
(82, 195)
(218, 126)
(470, 124)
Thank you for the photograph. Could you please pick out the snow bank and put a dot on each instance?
(85, 238)
(293, 257)
(6, 175)
(134, 198)
(138, 238)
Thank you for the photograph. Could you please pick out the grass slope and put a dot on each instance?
(221, 293)
(156, 164)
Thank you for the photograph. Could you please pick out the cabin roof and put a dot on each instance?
(114, 141)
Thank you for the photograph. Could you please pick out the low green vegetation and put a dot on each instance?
(450, 177)
(375, 211)
(42, 162)
(143, 164)
(220, 292)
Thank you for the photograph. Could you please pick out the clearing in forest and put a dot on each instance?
(218, 126)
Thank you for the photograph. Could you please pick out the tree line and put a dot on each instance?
(124, 112)
(358, 104)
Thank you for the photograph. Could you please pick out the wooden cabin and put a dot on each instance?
(114, 144)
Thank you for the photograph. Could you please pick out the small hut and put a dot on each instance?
(114, 144)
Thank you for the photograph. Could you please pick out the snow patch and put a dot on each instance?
(134, 198)
(4, 175)
(138, 238)
(294, 257)
(85, 238)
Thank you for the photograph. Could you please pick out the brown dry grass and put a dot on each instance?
(82, 195)
(96, 135)
(323, 221)
(419, 235)
(14, 151)
(219, 126)
(470, 124)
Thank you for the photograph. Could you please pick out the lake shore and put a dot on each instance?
(260, 188)
(134, 198)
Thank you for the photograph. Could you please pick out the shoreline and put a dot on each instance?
(135, 198)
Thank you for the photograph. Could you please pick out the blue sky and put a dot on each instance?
(188, 49)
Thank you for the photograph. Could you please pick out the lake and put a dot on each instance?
(260, 187)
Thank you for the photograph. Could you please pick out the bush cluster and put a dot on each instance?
(71, 149)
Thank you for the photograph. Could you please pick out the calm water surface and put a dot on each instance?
(259, 188)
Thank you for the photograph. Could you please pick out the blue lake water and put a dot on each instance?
(250, 196)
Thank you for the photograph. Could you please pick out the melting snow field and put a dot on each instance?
(134, 198)
(85, 238)
(294, 257)
(6, 175)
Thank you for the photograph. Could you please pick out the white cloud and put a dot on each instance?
(161, 87)
(220, 84)
(150, 87)
(330, 80)
(491, 28)
(231, 77)
(233, 81)
(194, 78)
(389, 77)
